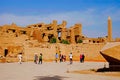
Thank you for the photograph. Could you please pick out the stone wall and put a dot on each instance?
(91, 52)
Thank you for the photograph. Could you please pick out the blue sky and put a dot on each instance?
(92, 14)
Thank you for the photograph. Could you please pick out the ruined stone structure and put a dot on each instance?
(45, 32)
(16, 39)
(36, 38)
(117, 39)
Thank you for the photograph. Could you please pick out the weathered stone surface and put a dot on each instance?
(109, 29)
(35, 38)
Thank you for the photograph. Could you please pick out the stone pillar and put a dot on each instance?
(72, 36)
(40, 35)
(78, 29)
(63, 34)
(54, 24)
(37, 35)
(109, 29)
(46, 38)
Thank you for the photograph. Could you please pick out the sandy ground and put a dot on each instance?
(51, 71)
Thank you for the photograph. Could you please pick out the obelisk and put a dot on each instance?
(109, 29)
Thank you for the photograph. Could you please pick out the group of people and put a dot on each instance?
(38, 59)
(82, 57)
(61, 57)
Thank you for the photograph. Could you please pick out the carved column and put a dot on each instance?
(54, 24)
(63, 34)
(80, 29)
(37, 35)
(46, 38)
(72, 35)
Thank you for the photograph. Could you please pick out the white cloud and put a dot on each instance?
(70, 17)
(93, 21)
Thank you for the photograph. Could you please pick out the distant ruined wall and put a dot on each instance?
(91, 52)
(47, 51)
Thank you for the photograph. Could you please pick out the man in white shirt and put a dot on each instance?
(20, 58)
(70, 56)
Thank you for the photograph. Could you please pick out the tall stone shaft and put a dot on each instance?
(63, 34)
(72, 35)
(109, 29)
(54, 24)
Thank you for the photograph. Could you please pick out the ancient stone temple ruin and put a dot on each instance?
(45, 32)
(36, 38)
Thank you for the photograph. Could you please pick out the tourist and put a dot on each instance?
(81, 58)
(36, 58)
(64, 57)
(20, 58)
(71, 56)
(40, 58)
(60, 56)
(56, 57)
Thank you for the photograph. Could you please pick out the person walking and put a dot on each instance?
(81, 58)
(56, 57)
(60, 57)
(40, 58)
(71, 56)
(20, 58)
(36, 58)
(64, 58)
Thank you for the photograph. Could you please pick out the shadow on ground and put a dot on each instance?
(49, 78)
(111, 69)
